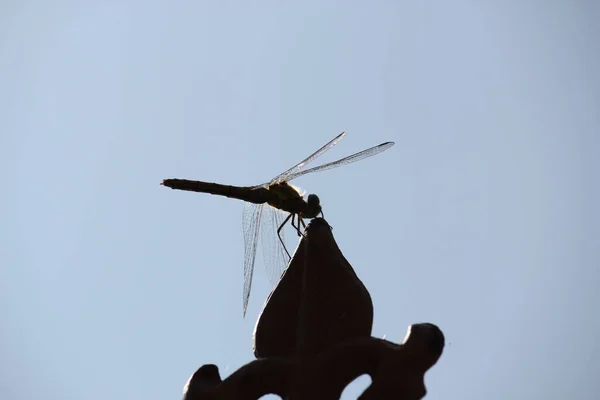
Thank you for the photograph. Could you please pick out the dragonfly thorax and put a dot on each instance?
(288, 198)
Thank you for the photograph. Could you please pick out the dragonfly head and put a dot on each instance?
(313, 206)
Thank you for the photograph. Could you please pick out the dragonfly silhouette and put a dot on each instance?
(277, 197)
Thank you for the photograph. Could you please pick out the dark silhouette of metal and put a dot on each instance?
(313, 337)
(319, 301)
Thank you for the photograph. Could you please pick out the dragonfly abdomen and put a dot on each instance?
(256, 195)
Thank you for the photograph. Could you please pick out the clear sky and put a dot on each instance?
(482, 219)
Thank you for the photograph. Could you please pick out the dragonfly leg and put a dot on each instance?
(302, 222)
(294, 225)
(297, 225)
(279, 233)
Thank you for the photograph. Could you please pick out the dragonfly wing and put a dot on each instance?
(285, 176)
(274, 256)
(344, 161)
(250, 226)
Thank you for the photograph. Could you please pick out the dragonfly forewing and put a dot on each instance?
(344, 161)
(284, 177)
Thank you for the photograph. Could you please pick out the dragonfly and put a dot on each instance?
(267, 206)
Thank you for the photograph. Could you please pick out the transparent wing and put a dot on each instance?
(344, 161)
(274, 256)
(250, 226)
(285, 176)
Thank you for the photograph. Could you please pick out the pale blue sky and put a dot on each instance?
(482, 219)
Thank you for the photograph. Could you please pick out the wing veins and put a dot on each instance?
(251, 228)
(284, 176)
(344, 161)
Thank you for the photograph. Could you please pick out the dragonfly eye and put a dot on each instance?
(313, 206)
